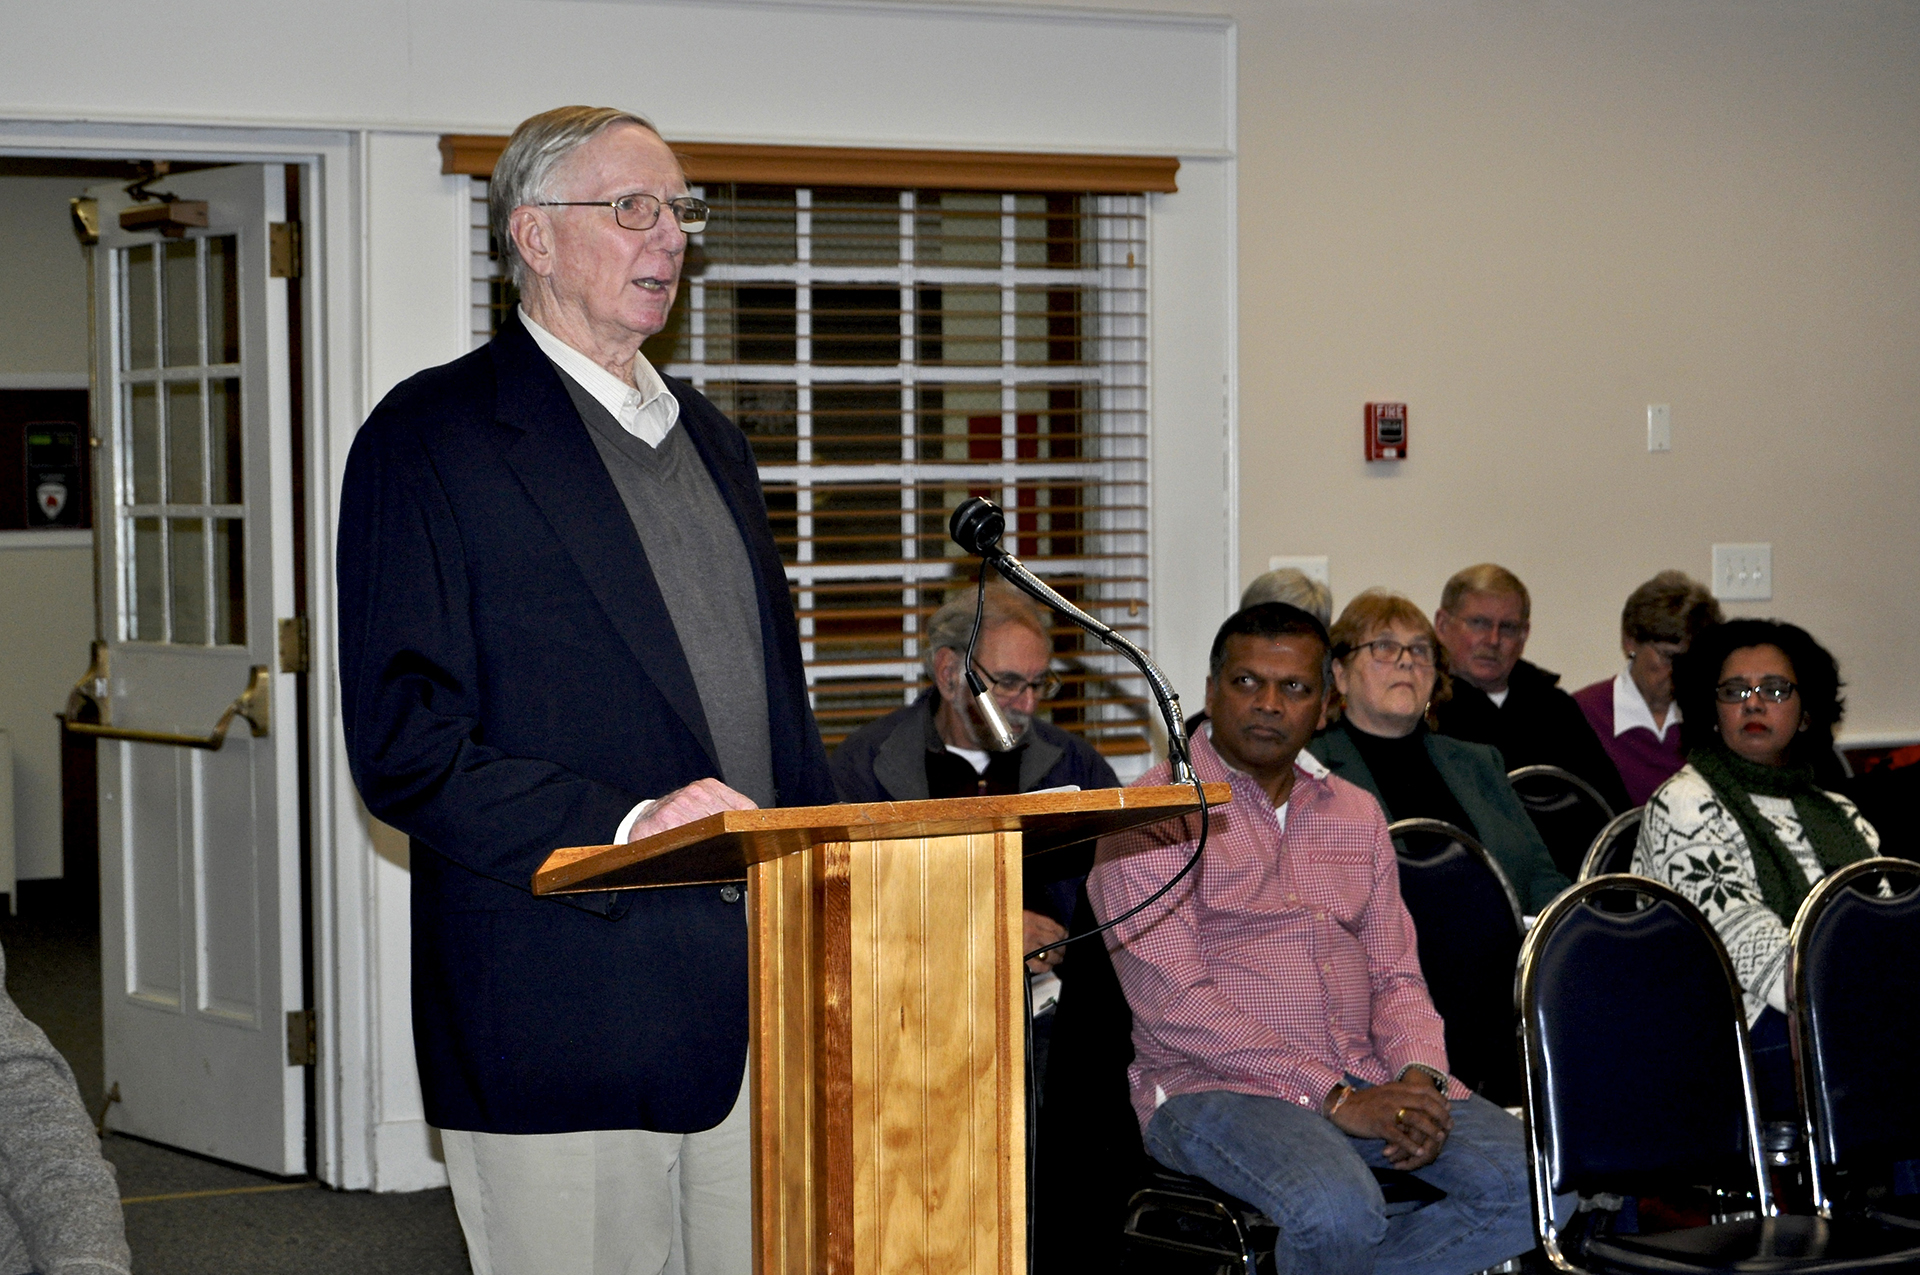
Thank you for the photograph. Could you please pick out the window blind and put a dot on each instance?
(890, 352)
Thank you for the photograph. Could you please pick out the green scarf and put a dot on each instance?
(1783, 882)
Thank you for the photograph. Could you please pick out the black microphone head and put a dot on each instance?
(977, 526)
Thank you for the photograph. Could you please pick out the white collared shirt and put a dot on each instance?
(649, 413)
(1630, 710)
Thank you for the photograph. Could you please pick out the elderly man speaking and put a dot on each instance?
(563, 622)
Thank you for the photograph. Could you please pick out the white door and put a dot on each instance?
(199, 846)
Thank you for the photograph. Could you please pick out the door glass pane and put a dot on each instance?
(189, 553)
(223, 299)
(223, 438)
(180, 279)
(143, 429)
(138, 263)
(229, 582)
(149, 583)
(186, 475)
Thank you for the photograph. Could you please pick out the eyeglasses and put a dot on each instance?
(1774, 690)
(1388, 651)
(1662, 652)
(1481, 626)
(642, 212)
(1012, 685)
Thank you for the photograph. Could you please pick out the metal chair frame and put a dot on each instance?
(1539, 1163)
(1590, 866)
(1541, 771)
(1800, 1011)
(1441, 828)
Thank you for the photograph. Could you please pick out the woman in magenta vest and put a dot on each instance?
(1633, 711)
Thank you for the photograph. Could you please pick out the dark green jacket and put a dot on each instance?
(1474, 775)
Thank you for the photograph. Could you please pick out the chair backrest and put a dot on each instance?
(1612, 850)
(1638, 1075)
(1467, 919)
(1566, 809)
(1853, 980)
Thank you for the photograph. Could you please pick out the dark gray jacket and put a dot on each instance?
(887, 761)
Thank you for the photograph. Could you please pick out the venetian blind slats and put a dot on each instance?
(889, 353)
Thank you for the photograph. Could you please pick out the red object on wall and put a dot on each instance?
(1386, 431)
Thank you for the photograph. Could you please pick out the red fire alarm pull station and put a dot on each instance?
(1386, 431)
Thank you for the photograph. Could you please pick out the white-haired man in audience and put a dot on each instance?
(1293, 587)
(938, 746)
(1483, 621)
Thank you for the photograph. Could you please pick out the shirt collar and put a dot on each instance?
(1630, 710)
(647, 412)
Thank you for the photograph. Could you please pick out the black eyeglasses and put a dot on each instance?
(1388, 651)
(642, 212)
(1774, 690)
(1010, 685)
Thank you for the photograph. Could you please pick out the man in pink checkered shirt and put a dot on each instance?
(1284, 1041)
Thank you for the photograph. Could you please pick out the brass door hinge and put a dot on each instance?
(295, 655)
(283, 249)
(303, 1038)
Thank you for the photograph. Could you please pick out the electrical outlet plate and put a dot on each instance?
(1313, 568)
(1659, 427)
(1743, 573)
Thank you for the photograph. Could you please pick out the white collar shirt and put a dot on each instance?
(648, 412)
(1630, 710)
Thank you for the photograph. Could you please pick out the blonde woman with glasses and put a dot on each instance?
(1389, 672)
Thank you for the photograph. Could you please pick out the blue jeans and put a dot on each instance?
(1316, 1184)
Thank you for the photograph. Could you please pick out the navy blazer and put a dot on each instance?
(511, 683)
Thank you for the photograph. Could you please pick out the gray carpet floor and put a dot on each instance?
(186, 1214)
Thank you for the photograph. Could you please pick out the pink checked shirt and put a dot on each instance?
(1292, 962)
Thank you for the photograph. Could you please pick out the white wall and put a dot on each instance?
(43, 282)
(46, 622)
(389, 77)
(46, 594)
(1529, 221)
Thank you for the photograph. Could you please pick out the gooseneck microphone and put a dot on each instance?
(977, 526)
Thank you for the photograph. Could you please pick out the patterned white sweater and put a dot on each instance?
(1689, 841)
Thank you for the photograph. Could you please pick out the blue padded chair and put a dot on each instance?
(1853, 985)
(1467, 917)
(1612, 849)
(1639, 1081)
(1565, 809)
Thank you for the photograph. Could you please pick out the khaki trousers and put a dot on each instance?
(607, 1202)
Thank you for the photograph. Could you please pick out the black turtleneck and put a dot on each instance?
(1411, 786)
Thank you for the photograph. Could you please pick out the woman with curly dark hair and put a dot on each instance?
(1744, 829)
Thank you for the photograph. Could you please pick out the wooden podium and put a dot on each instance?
(886, 1065)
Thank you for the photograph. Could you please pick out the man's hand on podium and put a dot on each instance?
(697, 800)
(1038, 930)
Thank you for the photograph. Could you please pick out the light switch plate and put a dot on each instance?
(1743, 573)
(1313, 568)
(1659, 427)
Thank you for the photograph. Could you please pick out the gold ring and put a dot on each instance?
(1400, 1116)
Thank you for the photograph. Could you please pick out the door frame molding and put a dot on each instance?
(337, 400)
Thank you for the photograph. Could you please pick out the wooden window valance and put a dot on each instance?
(474, 154)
